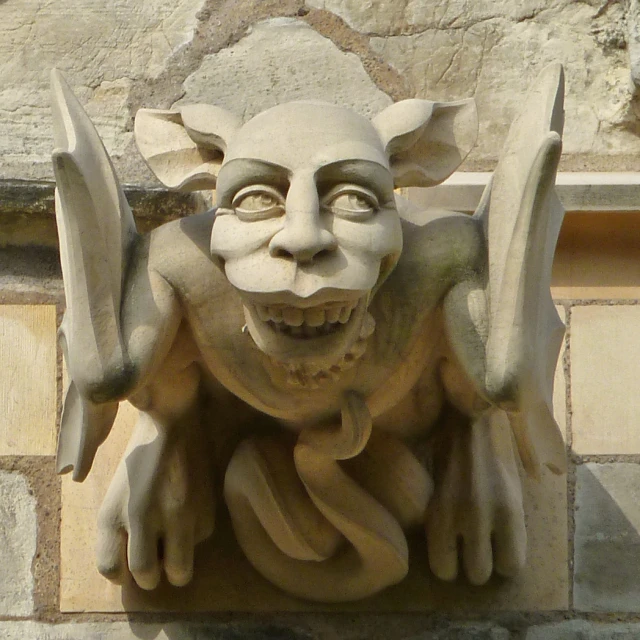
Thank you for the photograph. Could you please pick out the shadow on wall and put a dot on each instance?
(607, 538)
(177, 631)
(597, 255)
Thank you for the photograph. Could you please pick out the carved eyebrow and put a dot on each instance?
(365, 173)
(241, 172)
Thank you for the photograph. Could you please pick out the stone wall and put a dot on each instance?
(583, 579)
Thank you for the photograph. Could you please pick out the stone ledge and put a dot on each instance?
(577, 191)
(27, 214)
(372, 629)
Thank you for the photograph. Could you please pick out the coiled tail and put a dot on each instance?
(305, 523)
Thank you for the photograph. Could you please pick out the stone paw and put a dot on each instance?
(475, 520)
(158, 507)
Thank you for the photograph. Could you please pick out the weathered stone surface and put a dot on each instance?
(633, 26)
(281, 60)
(584, 630)
(607, 538)
(453, 49)
(18, 530)
(604, 379)
(28, 379)
(103, 46)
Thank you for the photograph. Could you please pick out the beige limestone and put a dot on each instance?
(604, 365)
(28, 381)
(492, 50)
(103, 45)
(321, 300)
(281, 60)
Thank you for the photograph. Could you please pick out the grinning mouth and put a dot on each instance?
(313, 343)
(305, 323)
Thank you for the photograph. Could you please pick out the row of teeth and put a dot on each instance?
(319, 317)
(304, 331)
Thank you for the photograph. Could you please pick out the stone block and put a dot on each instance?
(28, 393)
(596, 256)
(493, 49)
(605, 367)
(607, 538)
(282, 60)
(224, 580)
(584, 630)
(133, 631)
(18, 532)
(314, 629)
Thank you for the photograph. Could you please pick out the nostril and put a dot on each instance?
(281, 253)
(323, 254)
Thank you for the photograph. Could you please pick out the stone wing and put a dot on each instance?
(96, 230)
(521, 217)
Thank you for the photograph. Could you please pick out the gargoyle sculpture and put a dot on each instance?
(350, 367)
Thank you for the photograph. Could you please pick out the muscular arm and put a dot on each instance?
(150, 315)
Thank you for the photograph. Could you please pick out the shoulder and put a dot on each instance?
(445, 241)
(179, 252)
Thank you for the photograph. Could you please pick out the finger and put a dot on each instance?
(178, 553)
(510, 542)
(205, 523)
(142, 552)
(111, 554)
(477, 554)
(442, 544)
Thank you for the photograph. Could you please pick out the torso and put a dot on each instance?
(398, 373)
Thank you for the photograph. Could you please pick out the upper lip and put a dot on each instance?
(288, 299)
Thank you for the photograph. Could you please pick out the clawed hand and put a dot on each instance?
(158, 507)
(476, 516)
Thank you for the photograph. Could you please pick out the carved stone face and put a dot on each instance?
(306, 228)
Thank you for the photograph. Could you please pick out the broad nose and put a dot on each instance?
(303, 237)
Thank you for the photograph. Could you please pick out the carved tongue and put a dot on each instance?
(351, 437)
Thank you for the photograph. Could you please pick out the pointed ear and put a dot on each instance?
(184, 148)
(426, 141)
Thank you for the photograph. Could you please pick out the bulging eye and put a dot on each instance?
(351, 202)
(258, 202)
